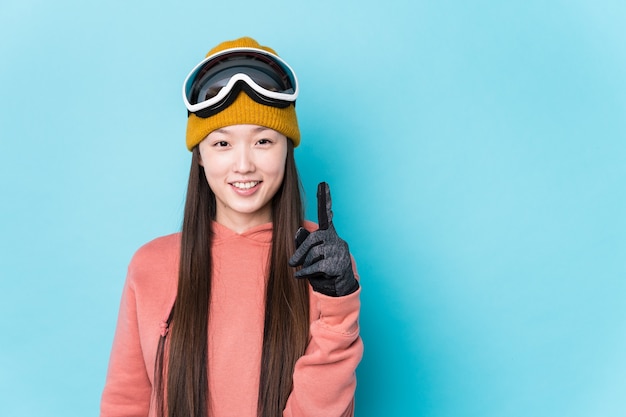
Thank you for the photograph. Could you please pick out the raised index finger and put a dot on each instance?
(324, 203)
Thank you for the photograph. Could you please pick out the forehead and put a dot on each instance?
(239, 130)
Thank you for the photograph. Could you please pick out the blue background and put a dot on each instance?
(475, 152)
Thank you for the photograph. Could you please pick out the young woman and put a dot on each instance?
(235, 316)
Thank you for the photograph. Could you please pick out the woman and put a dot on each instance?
(217, 320)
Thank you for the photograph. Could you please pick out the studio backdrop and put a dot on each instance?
(476, 155)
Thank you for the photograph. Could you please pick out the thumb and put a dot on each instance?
(298, 257)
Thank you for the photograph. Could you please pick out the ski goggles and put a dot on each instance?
(217, 81)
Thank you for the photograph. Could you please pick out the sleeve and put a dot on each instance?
(127, 390)
(324, 380)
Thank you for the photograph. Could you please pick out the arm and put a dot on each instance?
(127, 389)
(324, 378)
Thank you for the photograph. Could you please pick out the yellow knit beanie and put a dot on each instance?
(244, 110)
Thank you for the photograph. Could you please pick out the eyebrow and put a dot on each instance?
(257, 129)
(260, 129)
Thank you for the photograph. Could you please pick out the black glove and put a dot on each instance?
(324, 256)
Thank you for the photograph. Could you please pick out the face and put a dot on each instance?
(244, 166)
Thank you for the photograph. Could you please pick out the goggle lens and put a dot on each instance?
(269, 77)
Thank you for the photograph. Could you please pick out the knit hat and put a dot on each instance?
(244, 110)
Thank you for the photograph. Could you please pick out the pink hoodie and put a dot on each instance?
(324, 377)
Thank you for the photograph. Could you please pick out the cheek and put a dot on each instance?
(280, 175)
(278, 168)
(214, 170)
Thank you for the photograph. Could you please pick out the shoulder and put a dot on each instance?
(158, 248)
(158, 257)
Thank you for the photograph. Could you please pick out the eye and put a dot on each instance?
(220, 144)
(264, 141)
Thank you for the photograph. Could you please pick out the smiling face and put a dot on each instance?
(244, 166)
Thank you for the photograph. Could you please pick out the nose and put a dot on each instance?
(243, 160)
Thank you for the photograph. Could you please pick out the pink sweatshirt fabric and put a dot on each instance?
(324, 377)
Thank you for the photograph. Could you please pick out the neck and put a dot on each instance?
(240, 223)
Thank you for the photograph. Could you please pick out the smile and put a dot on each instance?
(245, 185)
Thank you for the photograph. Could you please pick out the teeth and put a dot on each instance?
(245, 185)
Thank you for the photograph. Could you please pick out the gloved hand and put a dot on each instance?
(324, 256)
